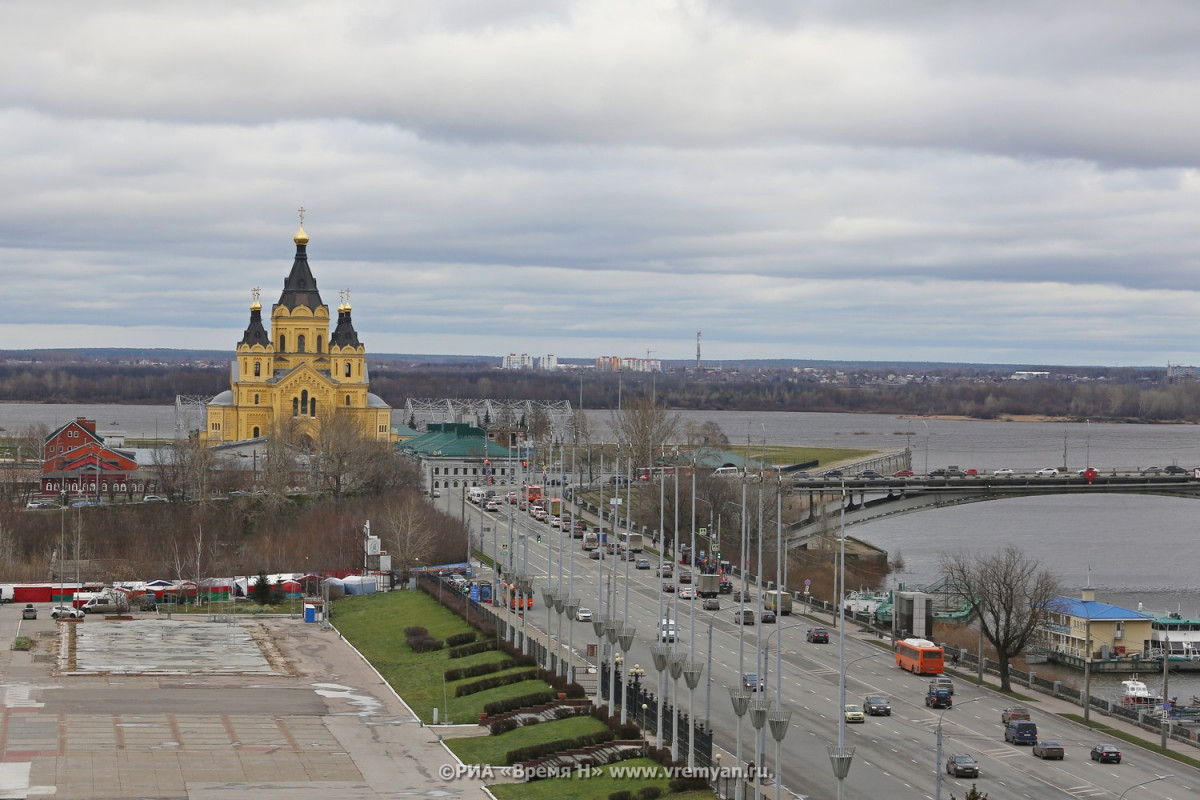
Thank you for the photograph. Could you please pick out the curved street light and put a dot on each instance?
(937, 765)
(1143, 783)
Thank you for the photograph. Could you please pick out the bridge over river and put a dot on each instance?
(868, 499)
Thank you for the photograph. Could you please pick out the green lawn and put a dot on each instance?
(597, 788)
(491, 749)
(375, 625)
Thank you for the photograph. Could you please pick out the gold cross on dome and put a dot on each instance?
(301, 210)
(254, 293)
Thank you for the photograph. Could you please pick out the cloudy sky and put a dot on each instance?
(1004, 183)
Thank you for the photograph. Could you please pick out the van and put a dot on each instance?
(475, 494)
(726, 472)
(107, 603)
(667, 631)
(1021, 731)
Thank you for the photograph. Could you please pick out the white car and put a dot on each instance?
(1047, 472)
(687, 593)
(583, 615)
(66, 612)
(1003, 473)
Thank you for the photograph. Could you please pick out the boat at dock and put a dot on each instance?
(1136, 693)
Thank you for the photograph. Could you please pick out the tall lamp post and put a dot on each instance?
(937, 764)
(1143, 783)
(741, 703)
(841, 754)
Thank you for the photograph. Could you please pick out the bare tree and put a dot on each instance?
(645, 427)
(408, 531)
(1009, 594)
(705, 434)
(345, 460)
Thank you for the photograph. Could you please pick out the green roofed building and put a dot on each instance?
(454, 455)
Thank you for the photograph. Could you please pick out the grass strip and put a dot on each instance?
(1113, 733)
(492, 749)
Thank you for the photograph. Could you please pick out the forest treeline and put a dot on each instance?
(1127, 395)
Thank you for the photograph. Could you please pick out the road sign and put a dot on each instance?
(704, 531)
(807, 582)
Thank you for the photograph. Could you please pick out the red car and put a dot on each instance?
(903, 473)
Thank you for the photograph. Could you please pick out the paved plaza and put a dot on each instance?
(156, 708)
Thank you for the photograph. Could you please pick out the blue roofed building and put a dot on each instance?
(1079, 628)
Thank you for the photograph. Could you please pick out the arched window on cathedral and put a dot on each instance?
(255, 399)
(295, 406)
(347, 400)
(257, 369)
(312, 408)
(318, 344)
(256, 433)
(304, 403)
(360, 369)
(300, 343)
(282, 343)
(347, 369)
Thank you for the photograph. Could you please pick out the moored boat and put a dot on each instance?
(1137, 693)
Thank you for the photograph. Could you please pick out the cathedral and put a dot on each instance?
(288, 375)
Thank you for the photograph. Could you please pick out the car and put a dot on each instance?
(877, 705)
(817, 635)
(800, 475)
(583, 614)
(41, 504)
(972, 472)
(743, 597)
(687, 593)
(1047, 472)
(552, 521)
(435, 492)
(594, 555)
(1106, 753)
(669, 587)
(938, 698)
(491, 505)
(29, 611)
(955, 472)
(1021, 731)
(937, 473)
(942, 682)
(725, 586)
(65, 612)
(712, 604)
(1014, 712)
(1048, 749)
(154, 498)
(833, 473)
(1003, 472)
(768, 616)
(642, 563)
(869, 474)
(664, 570)
(745, 616)
(1153, 471)
(1175, 469)
(512, 498)
(685, 577)
(903, 473)
(961, 765)
(750, 681)
(854, 713)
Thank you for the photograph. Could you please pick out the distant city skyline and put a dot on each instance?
(885, 182)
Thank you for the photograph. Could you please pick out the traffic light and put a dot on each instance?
(539, 538)
(487, 462)
(524, 463)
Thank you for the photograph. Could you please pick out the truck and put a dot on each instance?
(553, 506)
(779, 602)
(708, 585)
(591, 540)
(475, 495)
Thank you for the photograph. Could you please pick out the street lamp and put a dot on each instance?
(1143, 783)
(937, 765)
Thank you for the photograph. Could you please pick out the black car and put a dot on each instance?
(1175, 469)
(833, 473)
(768, 616)
(937, 473)
(876, 705)
(961, 765)
(817, 635)
(870, 474)
(725, 586)
(1106, 753)
(955, 472)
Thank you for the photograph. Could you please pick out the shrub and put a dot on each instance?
(491, 683)
(472, 648)
(546, 748)
(512, 703)
(575, 691)
(649, 793)
(415, 633)
(461, 638)
(477, 670)
(623, 794)
(688, 784)
(563, 712)
(629, 731)
(503, 726)
(426, 645)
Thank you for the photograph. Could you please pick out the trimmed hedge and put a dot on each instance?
(546, 748)
(426, 645)
(513, 703)
(415, 632)
(623, 794)
(472, 648)
(478, 669)
(461, 638)
(494, 681)
(649, 793)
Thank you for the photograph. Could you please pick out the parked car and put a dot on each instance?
(1003, 472)
(750, 681)
(583, 614)
(877, 705)
(768, 616)
(745, 616)
(29, 611)
(1044, 750)
(41, 504)
(65, 612)
(1047, 472)
(817, 635)
(1106, 753)
(1014, 712)
(961, 765)
(854, 713)
(712, 604)
(902, 473)
(153, 498)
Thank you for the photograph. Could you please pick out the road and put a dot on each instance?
(894, 755)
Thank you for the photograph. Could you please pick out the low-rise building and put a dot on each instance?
(1082, 628)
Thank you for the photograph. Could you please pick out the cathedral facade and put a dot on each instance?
(297, 374)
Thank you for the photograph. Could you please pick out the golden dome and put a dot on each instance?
(256, 306)
(301, 237)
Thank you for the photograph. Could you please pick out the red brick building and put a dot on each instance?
(76, 461)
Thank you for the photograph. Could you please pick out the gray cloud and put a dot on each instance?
(1010, 183)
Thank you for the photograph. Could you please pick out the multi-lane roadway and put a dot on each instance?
(894, 755)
